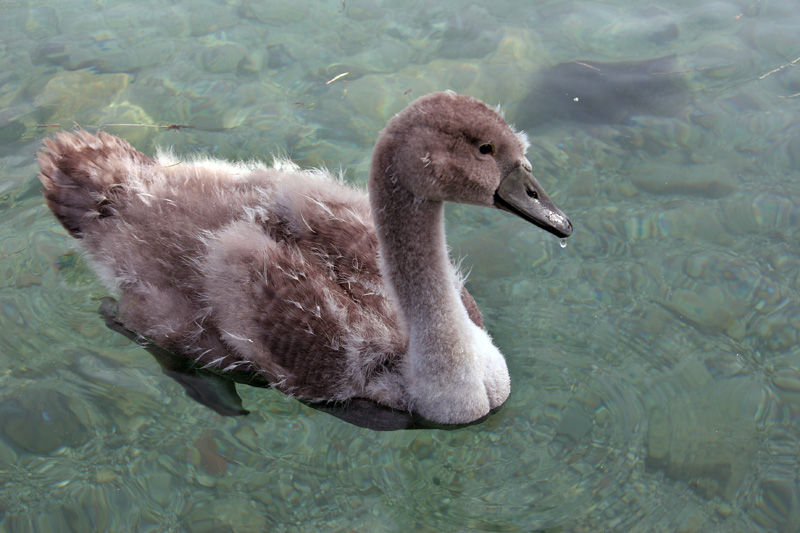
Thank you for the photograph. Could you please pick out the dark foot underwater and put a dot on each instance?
(216, 390)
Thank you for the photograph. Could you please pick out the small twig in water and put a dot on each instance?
(158, 126)
(773, 71)
(587, 65)
(4, 256)
(342, 75)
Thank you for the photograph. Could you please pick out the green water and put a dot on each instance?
(654, 360)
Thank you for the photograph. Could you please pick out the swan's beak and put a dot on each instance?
(521, 194)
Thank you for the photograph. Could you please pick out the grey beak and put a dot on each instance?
(519, 193)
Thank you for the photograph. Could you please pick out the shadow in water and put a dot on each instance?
(605, 93)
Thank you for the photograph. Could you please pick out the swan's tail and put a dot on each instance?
(84, 176)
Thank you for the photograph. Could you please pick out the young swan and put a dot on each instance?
(276, 270)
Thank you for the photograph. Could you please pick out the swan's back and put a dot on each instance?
(267, 269)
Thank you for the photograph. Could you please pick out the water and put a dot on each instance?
(654, 361)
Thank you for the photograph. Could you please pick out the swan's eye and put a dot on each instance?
(486, 148)
(532, 193)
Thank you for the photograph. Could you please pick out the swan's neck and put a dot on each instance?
(417, 269)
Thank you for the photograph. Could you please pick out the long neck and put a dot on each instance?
(416, 267)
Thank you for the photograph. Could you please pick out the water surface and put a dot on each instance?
(654, 360)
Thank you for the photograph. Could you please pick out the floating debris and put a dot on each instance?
(780, 68)
(159, 126)
(340, 76)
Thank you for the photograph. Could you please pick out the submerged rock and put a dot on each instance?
(223, 57)
(709, 311)
(705, 181)
(103, 51)
(75, 96)
(135, 118)
(11, 128)
(42, 22)
(470, 33)
(211, 18)
(40, 421)
(705, 437)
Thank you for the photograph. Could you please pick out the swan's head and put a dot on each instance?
(449, 147)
